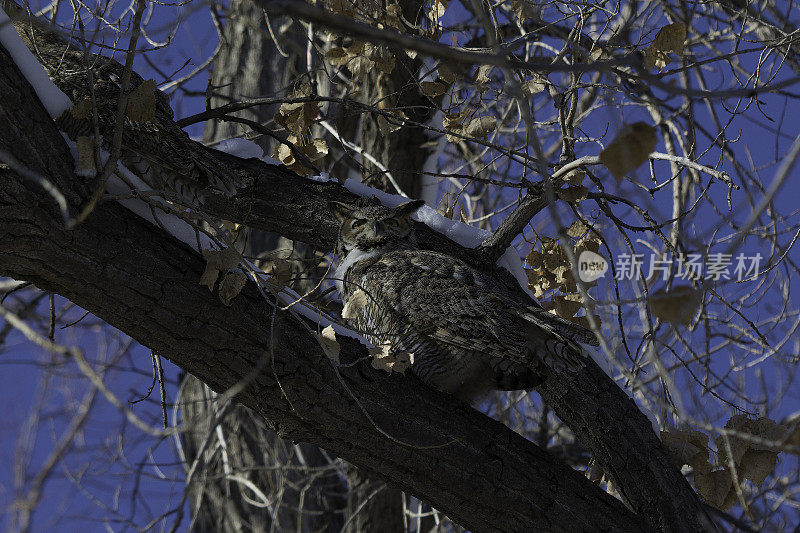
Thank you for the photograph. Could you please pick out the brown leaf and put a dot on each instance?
(383, 358)
(337, 56)
(686, 447)
(630, 148)
(390, 126)
(433, 88)
(280, 271)
(534, 85)
(480, 126)
(297, 117)
(449, 74)
(715, 488)
(330, 346)
(356, 302)
(670, 38)
(141, 106)
(231, 285)
(756, 465)
(578, 229)
(677, 307)
(393, 12)
(217, 261)
(565, 308)
(482, 78)
(573, 194)
(85, 163)
(575, 177)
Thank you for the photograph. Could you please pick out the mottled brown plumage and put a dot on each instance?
(466, 338)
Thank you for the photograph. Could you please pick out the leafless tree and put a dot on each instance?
(656, 138)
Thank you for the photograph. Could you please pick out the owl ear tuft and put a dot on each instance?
(408, 208)
(342, 210)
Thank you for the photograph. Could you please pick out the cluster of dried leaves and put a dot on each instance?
(748, 451)
(550, 273)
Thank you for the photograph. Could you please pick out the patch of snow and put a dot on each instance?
(305, 310)
(240, 148)
(322, 177)
(176, 227)
(429, 191)
(54, 101)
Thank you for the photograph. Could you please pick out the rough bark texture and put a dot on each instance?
(476, 470)
(300, 478)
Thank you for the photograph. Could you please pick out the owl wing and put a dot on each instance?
(445, 301)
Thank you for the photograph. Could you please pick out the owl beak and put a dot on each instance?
(375, 227)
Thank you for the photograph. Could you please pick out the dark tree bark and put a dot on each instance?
(145, 283)
(301, 478)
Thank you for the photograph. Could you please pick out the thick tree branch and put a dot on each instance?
(146, 284)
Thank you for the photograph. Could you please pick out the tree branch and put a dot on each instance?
(146, 284)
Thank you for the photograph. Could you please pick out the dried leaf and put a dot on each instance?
(356, 302)
(670, 38)
(341, 7)
(677, 307)
(330, 346)
(686, 447)
(337, 56)
(453, 122)
(280, 271)
(448, 74)
(578, 229)
(231, 285)
(381, 56)
(573, 194)
(575, 177)
(393, 12)
(481, 126)
(141, 106)
(756, 465)
(564, 307)
(595, 55)
(383, 358)
(629, 149)
(715, 487)
(524, 10)
(297, 117)
(534, 85)
(482, 78)
(433, 88)
(386, 126)
(85, 165)
(438, 9)
(216, 262)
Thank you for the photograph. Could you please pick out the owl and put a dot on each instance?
(466, 337)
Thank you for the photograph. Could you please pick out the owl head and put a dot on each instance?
(372, 227)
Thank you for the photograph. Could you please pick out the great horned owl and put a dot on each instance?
(466, 338)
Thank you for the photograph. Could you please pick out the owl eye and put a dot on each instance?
(392, 223)
(357, 223)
